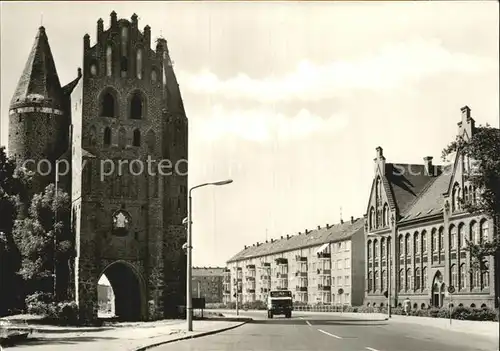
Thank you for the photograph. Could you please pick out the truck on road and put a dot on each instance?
(279, 302)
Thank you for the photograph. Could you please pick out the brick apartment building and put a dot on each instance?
(314, 265)
(416, 226)
(208, 283)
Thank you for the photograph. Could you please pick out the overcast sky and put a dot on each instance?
(291, 99)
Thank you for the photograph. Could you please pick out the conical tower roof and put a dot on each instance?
(39, 82)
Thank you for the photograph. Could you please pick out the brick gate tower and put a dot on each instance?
(128, 119)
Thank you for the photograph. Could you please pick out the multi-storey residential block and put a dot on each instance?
(314, 265)
(417, 233)
(208, 282)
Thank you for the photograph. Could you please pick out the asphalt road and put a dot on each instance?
(308, 332)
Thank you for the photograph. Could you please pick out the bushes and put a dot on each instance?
(256, 305)
(461, 313)
(62, 313)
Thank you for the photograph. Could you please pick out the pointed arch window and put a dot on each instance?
(139, 63)
(372, 218)
(453, 237)
(463, 277)
(416, 244)
(409, 281)
(424, 242)
(375, 249)
(407, 245)
(417, 279)
(474, 230)
(441, 239)
(369, 281)
(136, 106)
(401, 245)
(454, 276)
(386, 215)
(382, 248)
(108, 105)
(137, 138)
(375, 282)
(435, 241)
(424, 278)
(383, 280)
(462, 236)
(109, 60)
(484, 231)
(369, 250)
(154, 75)
(401, 279)
(107, 136)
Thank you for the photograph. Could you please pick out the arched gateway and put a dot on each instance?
(129, 289)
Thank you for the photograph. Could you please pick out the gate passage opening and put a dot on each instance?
(119, 293)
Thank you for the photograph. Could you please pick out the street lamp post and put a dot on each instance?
(189, 292)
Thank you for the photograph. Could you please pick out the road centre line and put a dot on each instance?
(371, 349)
(332, 335)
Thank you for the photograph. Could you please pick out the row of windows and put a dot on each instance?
(476, 234)
(418, 281)
(109, 104)
(122, 138)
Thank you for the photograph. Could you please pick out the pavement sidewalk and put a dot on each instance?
(128, 338)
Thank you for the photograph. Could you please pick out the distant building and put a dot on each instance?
(417, 226)
(321, 266)
(207, 283)
(106, 298)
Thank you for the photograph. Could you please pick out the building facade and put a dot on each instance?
(320, 266)
(114, 123)
(417, 232)
(208, 282)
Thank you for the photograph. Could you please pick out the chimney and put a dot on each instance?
(429, 169)
(379, 161)
(306, 231)
(245, 247)
(282, 237)
(319, 227)
(267, 241)
(272, 240)
(300, 233)
(352, 219)
(341, 221)
(327, 226)
(287, 236)
(258, 243)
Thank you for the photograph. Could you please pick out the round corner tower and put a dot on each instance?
(38, 120)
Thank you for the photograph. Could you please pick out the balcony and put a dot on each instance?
(324, 287)
(299, 258)
(301, 274)
(281, 261)
(250, 278)
(301, 288)
(250, 266)
(251, 291)
(324, 255)
(227, 292)
(227, 271)
(324, 271)
(266, 265)
(282, 275)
